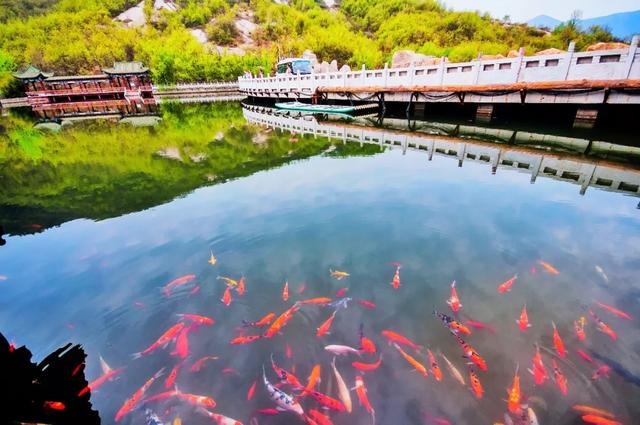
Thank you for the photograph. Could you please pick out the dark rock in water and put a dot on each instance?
(46, 392)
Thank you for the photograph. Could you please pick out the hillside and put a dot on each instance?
(622, 25)
(195, 40)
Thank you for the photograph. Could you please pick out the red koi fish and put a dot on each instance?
(561, 381)
(539, 371)
(367, 367)
(366, 345)
(285, 292)
(287, 350)
(435, 369)
(480, 325)
(603, 370)
(173, 375)
(578, 326)
(281, 321)
(514, 394)
(319, 300)
(164, 339)
(244, 339)
(240, 288)
(603, 327)
(599, 420)
(400, 339)
(195, 290)
(95, 384)
(198, 364)
(132, 402)
(548, 267)
(396, 278)
(252, 390)
(269, 411)
(327, 402)
(341, 292)
(413, 362)
(523, 321)
(301, 288)
(54, 405)
(588, 410)
(506, 285)
(585, 356)
(177, 282)
(476, 386)
(557, 342)
(197, 319)
(614, 310)
(182, 343)
(367, 304)
(471, 353)
(226, 297)
(454, 301)
(361, 392)
(284, 376)
(319, 418)
(324, 327)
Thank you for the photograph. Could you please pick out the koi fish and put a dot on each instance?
(95, 384)
(260, 323)
(182, 343)
(218, 418)
(523, 321)
(588, 410)
(173, 375)
(343, 391)
(197, 366)
(283, 400)
(252, 389)
(454, 301)
(367, 304)
(197, 319)
(338, 274)
(226, 297)
(435, 369)
(230, 371)
(288, 351)
(506, 285)
(603, 370)
(244, 339)
(476, 386)
(361, 392)
(319, 418)
(280, 321)
(471, 353)
(539, 372)
(602, 274)
(195, 290)
(285, 292)
(240, 289)
(585, 355)
(578, 326)
(480, 325)
(603, 327)
(340, 302)
(54, 405)
(164, 339)
(194, 399)
(284, 376)
(319, 300)
(228, 281)
(548, 267)
(177, 282)
(327, 402)
(614, 310)
(367, 345)
(453, 370)
(212, 260)
(396, 278)
(400, 339)
(561, 381)
(413, 362)
(598, 420)
(452, 324)
(314, 378)
(133, 401)
(268, 411)
(514, 394)
(557, 342)
(341, 350)
(326, 325)
(302, 288)
(341, 292)
(367, 367)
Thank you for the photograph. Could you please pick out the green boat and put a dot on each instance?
(319, 109)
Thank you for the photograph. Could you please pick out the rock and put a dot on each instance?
(170, 153)
(211, 177)
(219, 136)
(333, 66)
(404, 59)
(513, 54)
(199, 35)
(607, 46)
(308, 54)
(259, 139)
(552, 51)
(491, 57)
(345, 68)
(198, 157)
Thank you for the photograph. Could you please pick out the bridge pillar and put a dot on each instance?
(585, 118)
(484, 113)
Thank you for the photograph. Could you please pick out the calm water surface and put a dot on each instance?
(98, 283)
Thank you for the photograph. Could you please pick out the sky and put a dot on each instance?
(520, 10)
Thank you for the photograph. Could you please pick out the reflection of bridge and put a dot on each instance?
(578, 170)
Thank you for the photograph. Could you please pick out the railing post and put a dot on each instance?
(386, 73)
(520, 62)
(631, 56)
(569, 58)
(441, 70)
(478, 70)
(364, 75)
(412, 69)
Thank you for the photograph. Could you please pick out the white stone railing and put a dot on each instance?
(619, 64)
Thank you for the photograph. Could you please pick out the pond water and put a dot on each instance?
(99, 223)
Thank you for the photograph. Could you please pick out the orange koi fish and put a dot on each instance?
(260, 323)
(598, 420)
(367, 304)
(614, 310)
(366, 345)
(314, 378)
(506, 285)
(514, 394)
(557, 342)
(367, 367)
(548, 267)
(451, 323)
(560, 379)
(182, 343)
(244, 339)
(197, 365)
(361, 392)
(95, 384)
(197, 319)
(226, 297)
(164, 339)
(173, 375)
(252, 390)
(539, 371)
(396, 278)
(326, 401)
(177, 282)
(54, 405)
(400, 339)
(196, 400)
(523, 321)
(319, 300)
(476, 386)
(285, 292)
(454, 301)
(603, 327)
(284, 376)
(413, 362)
(471, 353)
(578, 326)
(338, 274)
(133, 401)
(280, 321)
(324, 327)
(240, 289)
(435, 369)
(320, 418)
(588, 410)
(585, 355)
(218, 418)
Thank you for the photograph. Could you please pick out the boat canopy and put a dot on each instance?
(294, 66)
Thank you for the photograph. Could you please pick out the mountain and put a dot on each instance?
(622, 25)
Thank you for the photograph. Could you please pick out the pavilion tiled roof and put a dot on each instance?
(32, 73)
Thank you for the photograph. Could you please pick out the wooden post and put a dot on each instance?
(386, 73)
(569, 58)
(441, 70)
(633, 48)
